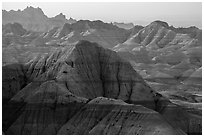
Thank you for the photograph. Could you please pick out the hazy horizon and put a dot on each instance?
(178, 14)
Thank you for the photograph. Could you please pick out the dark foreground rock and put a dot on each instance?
(115, 117)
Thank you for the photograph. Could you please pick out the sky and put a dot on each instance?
(178, 14)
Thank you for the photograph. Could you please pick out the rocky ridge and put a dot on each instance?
(34, 19)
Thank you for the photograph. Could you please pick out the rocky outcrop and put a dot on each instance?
(60, 19)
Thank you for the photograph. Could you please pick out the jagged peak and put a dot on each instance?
(30, 8)
(61, 15)
(98, 24)
(72, 19)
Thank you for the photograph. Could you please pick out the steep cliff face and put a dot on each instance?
(59, 84)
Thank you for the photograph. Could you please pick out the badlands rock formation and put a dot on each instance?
(34, 19)
(53, 84)
(16, 44)
(105, 34)
(86, 89)
(170, 60)
(179, 50)
(114, 117)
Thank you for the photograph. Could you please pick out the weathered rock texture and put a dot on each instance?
(114, 117)
(168, 56)
(59, 84)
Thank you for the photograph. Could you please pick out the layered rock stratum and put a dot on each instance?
(164, 54)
